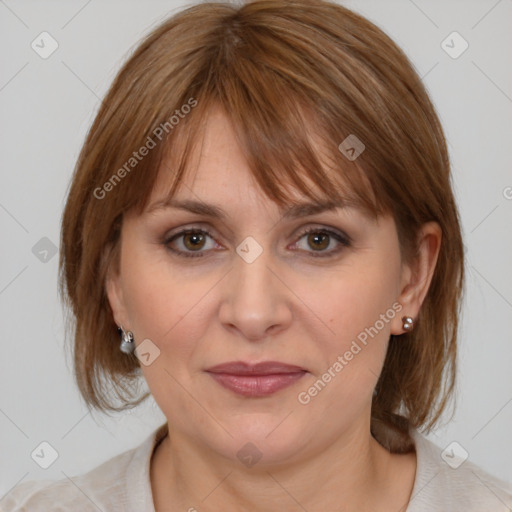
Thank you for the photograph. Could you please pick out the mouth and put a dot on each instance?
(256, 380)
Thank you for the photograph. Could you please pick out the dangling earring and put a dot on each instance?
(407, 323)
(127, 343)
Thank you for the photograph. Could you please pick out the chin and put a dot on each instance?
(261, 440)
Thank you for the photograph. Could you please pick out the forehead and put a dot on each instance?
(217, 164)
(216, 161)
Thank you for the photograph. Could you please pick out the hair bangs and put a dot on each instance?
(289, 146)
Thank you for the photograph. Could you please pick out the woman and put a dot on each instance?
(262, 209)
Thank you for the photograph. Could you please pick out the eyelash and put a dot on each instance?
(343, 240)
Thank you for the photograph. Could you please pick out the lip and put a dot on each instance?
(256, 380)
(263, 368)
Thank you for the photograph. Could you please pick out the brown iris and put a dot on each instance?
(194, 241)
(318, 241)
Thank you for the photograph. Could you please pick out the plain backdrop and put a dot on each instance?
(46, 107)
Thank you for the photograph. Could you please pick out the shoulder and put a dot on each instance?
(446, 480)
(42, 495)
(120, 483)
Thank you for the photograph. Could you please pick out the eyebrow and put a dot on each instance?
(298, 210)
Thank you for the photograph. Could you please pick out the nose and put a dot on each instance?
(256, 302)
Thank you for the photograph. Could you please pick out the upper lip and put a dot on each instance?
(263, 368)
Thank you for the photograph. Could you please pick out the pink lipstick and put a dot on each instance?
(256, 380)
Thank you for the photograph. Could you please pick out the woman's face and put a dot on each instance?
(248, 283)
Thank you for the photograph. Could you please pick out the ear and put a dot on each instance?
(114, 290)
(417, 274)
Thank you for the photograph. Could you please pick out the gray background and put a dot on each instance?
(46, 106)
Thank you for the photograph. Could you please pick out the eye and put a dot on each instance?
(190, 242)
(323, 242)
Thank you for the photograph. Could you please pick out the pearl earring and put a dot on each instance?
(407, 323)
(127, 342)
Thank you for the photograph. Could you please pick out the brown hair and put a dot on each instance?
(281, 71)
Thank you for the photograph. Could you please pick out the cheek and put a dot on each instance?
(360, 304)
(168, 308)
(164, 304)
(358, 310)
(356, 304)
(149, 292)
(354, 300)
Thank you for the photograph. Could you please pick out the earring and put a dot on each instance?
(127, 343)
(407, 323)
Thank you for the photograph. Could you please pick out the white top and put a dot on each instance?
(122, 484)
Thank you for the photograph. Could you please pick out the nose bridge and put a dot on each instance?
(255, 300)
(252, 279)
(252, 285)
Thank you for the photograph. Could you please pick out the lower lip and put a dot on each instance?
(256, 385)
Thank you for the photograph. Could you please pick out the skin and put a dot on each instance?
(288, 305)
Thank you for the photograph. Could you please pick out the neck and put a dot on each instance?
(353, 473)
